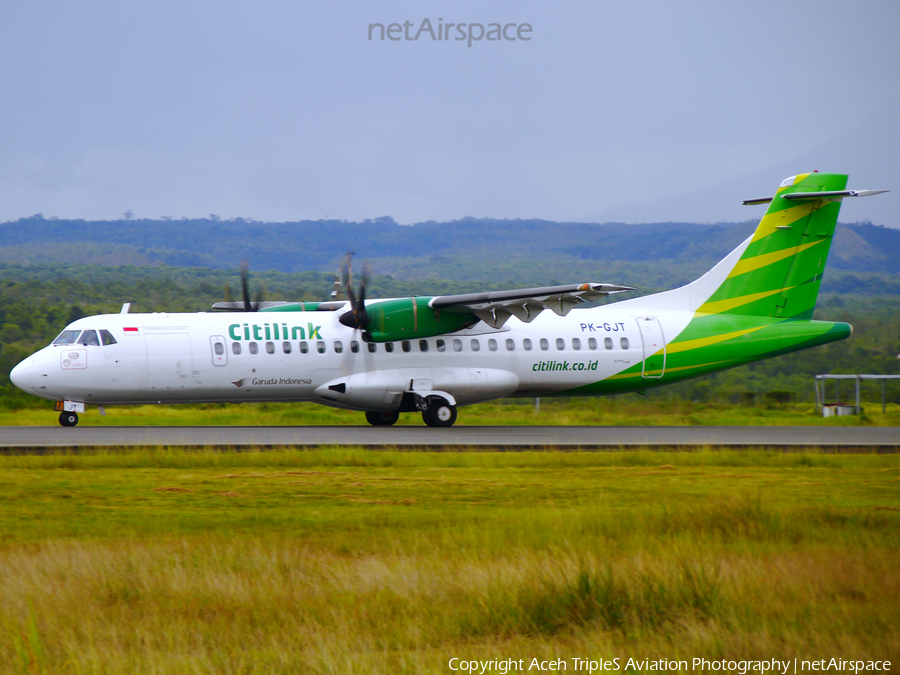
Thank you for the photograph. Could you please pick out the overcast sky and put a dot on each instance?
(285, 110)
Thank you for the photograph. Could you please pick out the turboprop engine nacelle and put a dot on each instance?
(383, 390)
(411, 318)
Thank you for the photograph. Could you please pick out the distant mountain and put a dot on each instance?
(320, 245)
(864, 152)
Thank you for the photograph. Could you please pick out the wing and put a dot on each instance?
(495, 307)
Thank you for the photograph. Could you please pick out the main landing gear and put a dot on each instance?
(439, 413)
(68, 419)
(436, 412)
(382, 419)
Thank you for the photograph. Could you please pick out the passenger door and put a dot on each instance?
(653, 344)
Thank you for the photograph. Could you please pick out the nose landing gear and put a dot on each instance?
(68, 419)
(69, 412)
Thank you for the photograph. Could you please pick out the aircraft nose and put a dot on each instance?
(25, 375)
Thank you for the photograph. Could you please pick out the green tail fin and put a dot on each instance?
(781, 269)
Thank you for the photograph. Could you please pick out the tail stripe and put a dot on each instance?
(777, 274)
(758, 262)
(771, 222)
(719, 306)
(687, 345)
(637, 374)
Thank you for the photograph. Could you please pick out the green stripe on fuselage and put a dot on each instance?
(756, 338)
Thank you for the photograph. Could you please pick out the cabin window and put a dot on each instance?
(440, 345)
(219, 348)
(510, 345)
(526, 344)
(457, 345)
(423, 345)
(304, 348)
(560, 344)
(286, 347)
(89, 337)
(372, 347)
(475, 345)
(607, 342)
(320, 346)
(254, 348)
(338, 347)
(235, 347)
(106, 338)
(388, 346)
(67, 337)
(544, 344)
(354, 347)
(406, 345)
(592, 343)
(624, 343)
(492, 345)
(270, 348)
(576, 343)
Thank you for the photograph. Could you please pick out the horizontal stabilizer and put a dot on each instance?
(832, 194)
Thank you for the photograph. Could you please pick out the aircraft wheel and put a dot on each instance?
(68, 419)
(382, 419)
(440, 414)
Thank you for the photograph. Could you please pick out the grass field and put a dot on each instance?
(618, 410)
(354, 561)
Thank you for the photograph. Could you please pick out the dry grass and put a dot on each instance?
(276, 606)
(367, 562)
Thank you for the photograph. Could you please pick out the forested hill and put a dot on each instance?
(319, 245)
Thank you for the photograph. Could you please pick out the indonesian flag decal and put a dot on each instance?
(131, 330)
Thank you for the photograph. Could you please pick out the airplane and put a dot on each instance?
(432, 355)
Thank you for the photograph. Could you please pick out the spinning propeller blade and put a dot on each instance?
(357, 317)
(245, 290)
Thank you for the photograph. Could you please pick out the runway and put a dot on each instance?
(885, 439)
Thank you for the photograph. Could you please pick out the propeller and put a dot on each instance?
(357, 317)
(245, 289)
(245, 304)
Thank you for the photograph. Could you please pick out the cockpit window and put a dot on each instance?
(67, 337)
(89, 337)
(84, 337)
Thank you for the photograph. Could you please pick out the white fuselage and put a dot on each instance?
(310, 356)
